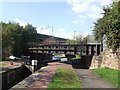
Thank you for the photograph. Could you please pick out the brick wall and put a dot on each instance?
(106, 59)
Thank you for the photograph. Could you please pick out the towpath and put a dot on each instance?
(90, 80)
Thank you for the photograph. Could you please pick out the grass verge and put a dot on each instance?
(65, 78)
(109, 75)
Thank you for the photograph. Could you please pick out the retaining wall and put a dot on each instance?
(83, 63)
(106, 59)
(13, 75)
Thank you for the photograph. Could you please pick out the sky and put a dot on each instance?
(64, 18)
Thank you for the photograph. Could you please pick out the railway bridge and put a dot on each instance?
(43, 52)
(82, 49)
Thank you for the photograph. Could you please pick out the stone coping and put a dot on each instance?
(8, 68)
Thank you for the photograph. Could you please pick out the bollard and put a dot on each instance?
(34, 64)
(11, 62)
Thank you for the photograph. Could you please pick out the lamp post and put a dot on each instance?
(74, 36)
(51, 29)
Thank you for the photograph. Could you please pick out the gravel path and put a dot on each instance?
(89, 79)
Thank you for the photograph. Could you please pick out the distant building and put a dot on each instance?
(47, 39)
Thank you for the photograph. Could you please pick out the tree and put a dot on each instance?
(29, 36)
(6, 40)
(15, 37)
(109, 26)
(11, 37)
(79, 39)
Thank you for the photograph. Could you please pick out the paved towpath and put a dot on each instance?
(89, 79)
(41, 78)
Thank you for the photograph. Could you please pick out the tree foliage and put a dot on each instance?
(15, 37)
(109, 25)
(79, 39)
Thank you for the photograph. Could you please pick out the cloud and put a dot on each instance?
(17, 20)
(75, 22)
(82, 34)
(88, 9)
(85, 34)
(61, 32)
(94, 13)
(5, 21)
(81, 16)
(44, 30)
(78, 6)
(81, 6)
(106, 2)
(21, 22)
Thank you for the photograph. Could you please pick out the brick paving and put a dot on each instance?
(41, 78)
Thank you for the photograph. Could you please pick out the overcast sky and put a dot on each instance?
(63, 17)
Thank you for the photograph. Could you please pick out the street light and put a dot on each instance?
(51, 28)
(74, 34)
(74, 37)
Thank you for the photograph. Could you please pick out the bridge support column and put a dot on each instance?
(65, 52)
(75, 50)
(92, 50)
(98, 49)
(56, 51)
(87, 50)
(49, 52)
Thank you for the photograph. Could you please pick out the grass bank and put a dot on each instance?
(110, 75)
(65, 78)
